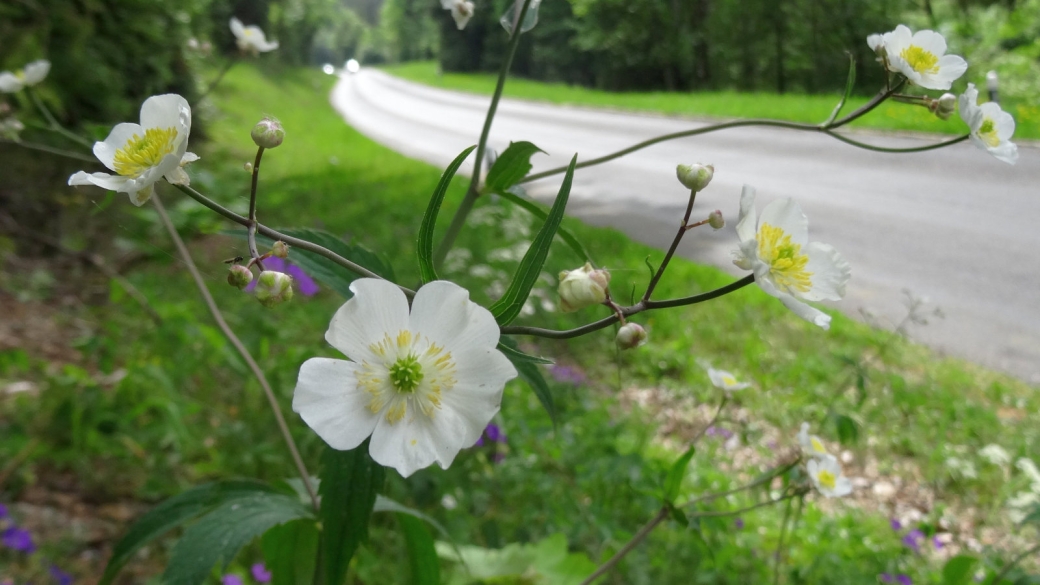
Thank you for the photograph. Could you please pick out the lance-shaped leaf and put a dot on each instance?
(511, 166)
(527, 367)
(508, 307)
(422, 554)
(424, 248)
(673, 481)
(349, 482)
(508, 346)
(290, 552)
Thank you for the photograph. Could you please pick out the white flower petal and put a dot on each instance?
(36, 71)
(236, 27)
(810, 314)
(1006, 152)
(142, 195)
(189, 157)
(378, 308)
(10, 83)
(725, 381)
(830, 273)
(327, 398)
(178, 177)
(411, 445)
(747, 224)
(930, 41)
(442, 312)
(787, 215)
(116, 140)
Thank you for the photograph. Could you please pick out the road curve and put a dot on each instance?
(954, 225)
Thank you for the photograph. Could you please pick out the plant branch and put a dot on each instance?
(720, 514)
(754, 484)
(54, 126)
(671, 250)
(239, 346)
(254, 254)
(865, 146)
(50, 150)
(639, 537)
(213, 84)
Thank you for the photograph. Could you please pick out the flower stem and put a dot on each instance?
(639, 537)
(251, 228)
(50, 150)
(239, 346)
(54, 125)
(763, 480)
(473, 192)
(213, 84)
(780, 543)
(671, 250)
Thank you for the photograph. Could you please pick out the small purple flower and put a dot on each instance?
(938, 544)
(886, 578)
(738, 523)
(494, 433)
(904, 579)
(18, 539)
(232, 579)
(260, 573)
(567, 374)
(60, 576)
(912, 540)
(895, 524)
(480, 441)
(304, 283)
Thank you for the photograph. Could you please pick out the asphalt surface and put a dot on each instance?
(954, 226)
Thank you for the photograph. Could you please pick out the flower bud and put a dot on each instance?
(239, 276)
(268, 133)
(715, 220)
(696, 176)
(273, 288)
(280, 249)
(247, 167)
(944, 107)
(582, 287)
(630, 335)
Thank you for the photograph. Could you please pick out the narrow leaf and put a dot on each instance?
(679, 516)
(532, 376)
(510, 166)
(422, 554)
(290, 551)
(508, 307)
(508, 347)
(673, 481)
(349, 482)
(220, 534)
(424, 248)
(536, 210)
(173, 513)
(849, 83)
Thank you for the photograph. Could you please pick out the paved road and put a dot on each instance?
(954, 225)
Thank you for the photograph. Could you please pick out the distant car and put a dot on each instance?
(353, 66)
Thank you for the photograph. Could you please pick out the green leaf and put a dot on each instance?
(321, 268)
(221, 533)
(511, 166)
(849, 83)
(349, 482)
(422, 555)
(173, 513)
(958, 570)
(536, 210)
(531, 374)
(508, 307)
(679, 516)
(846, 427)
(673, 481)
(507, 346)
(290, 552)
(424, 248)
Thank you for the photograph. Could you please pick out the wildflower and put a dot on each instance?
(232, 579)
(60, 576)
(493, 433)
(280, 249)
(696, 176)
(943, 107)
(630, 336)
(273, 288)
(423, 384)
(895, 524)
(715, 220)
(239, 276)
(18, 539)
(10, 128)
(141, 154)
(30, 75)
(937, 543)
(260, 573)
(995, 454)
(582, 287)
(920, 57)
(268, 133)
(991, 128)
(724, 380)
(904, 579)
(785, 264)
(912, 540)
(304, 283)
(461, 11)
(827, 476)
(811, 444)
(251, 39)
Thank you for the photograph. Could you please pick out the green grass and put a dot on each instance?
(186, 410)
(811, 109)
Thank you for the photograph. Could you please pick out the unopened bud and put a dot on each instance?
(268, 133)
(582, 287)
(630, 336)
(273, 288)
(944, 107)
(248, 167)
(280, 249)
(239, 276)
(715, 220)
(696, 176)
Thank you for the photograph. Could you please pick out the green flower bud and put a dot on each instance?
(239, 276)
(944, 107)
(582, 287)
(280, 249)
(630, 336)
(268, 133)
(715, 219)
(248, 167)
(273, 288)
(696, 176)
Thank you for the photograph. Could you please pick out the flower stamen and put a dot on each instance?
(785, 258)
(143, 152)
(407, 373)
(920, 60)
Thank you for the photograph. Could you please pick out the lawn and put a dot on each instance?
(135, 412)
(811, 109)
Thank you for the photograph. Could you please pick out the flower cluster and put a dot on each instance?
(824, 470)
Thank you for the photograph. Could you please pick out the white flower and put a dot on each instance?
(786, 265)
(995, 454)
(423, 385)
(827, 476)
(141, 154)
(725, 380)
(811, 444)
(582, 287)
(991, 127)
(920, 57)
(251, 38)
(32, 74)
(461, 11)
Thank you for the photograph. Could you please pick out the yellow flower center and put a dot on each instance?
(785, 259)
(920, 60)
(826, 479)
(729, 380)
(411, 371)
(817, 445)
(141, 153)
(988, 133)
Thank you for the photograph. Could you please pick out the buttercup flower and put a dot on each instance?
(141, 154)
(919, 56)
(991, 127)
(786, 265)
(811, 444)
(250, 38)
(461, 11)
(32, 74)
(582, 287)
(827, 477)
(725, 380)
(423, 384)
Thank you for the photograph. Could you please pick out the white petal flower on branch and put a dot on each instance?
(786, 265)
(811, 444)
(30, 75)
(141, 154)
(250, 38)
(991, 127)
(423, 384)
(827, 477)
(920, 56)
(461, 11)
(725, 381)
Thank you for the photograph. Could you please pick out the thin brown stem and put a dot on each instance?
(54, 125)
(50, 150)
(239, 346)
(752, 485)
(721, 514)
(639, 537)
(671, 249)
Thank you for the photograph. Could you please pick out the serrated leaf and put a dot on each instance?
(424, 247)
(535, 210)
(422, 555)
(958, 570)
(508, 307)
(290, 552)
(508, 347)
(673, 481)
(510, 166)
(850, 81)
(222, 532)
(349, 482)
(173, 513)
